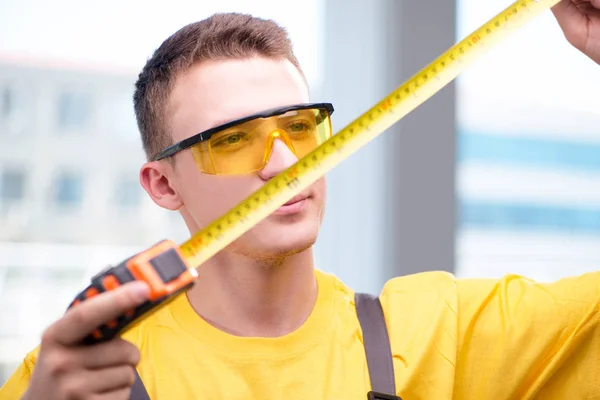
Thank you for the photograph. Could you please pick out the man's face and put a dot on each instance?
(210, 94)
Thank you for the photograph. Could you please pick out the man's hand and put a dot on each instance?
(580, 21)
(66, 369)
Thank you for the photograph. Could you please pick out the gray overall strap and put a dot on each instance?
(138, 391)
(376, 342)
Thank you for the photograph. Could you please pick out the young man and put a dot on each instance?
(261, 322)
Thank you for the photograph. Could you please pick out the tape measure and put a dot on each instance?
(358, 133)
(170, 269)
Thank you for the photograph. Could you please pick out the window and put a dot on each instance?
(12, 186)
(74, 111)
(17, 107)
(69, 189)
(6, 102)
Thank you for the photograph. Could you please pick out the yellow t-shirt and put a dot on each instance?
(451, 339)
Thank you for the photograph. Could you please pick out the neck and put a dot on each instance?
(260, 298)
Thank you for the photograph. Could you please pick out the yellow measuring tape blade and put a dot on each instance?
(221, 232)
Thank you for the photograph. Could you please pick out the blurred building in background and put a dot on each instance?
(69, 191)
(70, 157)
(528, 154)
(497, 174)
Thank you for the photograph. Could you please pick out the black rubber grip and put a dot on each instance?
(108, 333)
(122, 274)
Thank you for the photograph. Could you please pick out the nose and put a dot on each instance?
(281, 158)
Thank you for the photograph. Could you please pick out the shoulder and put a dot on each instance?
(423, 289)
(407, 299)
(329, 279)
(17, 382)
(421, 314)
(410, 289)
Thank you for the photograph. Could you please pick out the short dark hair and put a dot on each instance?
(219, 37)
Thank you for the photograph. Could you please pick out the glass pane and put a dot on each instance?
(12, 186)
(69, 189)
(74, 111)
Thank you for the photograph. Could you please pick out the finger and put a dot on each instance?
(596, 4)
(563, 9)
(109, 379)
(571, 20)
(81, 320)
(109, 354)
(119, 394)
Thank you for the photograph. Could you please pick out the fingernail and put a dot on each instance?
(140, 290)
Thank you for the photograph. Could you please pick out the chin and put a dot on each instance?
(287, 240)
(282, 234)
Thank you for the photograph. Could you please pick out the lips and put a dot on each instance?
(296, 199)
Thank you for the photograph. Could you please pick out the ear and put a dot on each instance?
(154, 178)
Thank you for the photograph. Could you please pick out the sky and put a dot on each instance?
(533, 81)
(124, 33)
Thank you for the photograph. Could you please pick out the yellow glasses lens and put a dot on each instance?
(246, 147)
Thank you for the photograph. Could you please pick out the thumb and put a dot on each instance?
(565, 10)
(595, 3)
(572, 21)
(82, 319)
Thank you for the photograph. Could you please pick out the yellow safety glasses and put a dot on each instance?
(244, 145)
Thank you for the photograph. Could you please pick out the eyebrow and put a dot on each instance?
(220, 122)
(287, 114)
